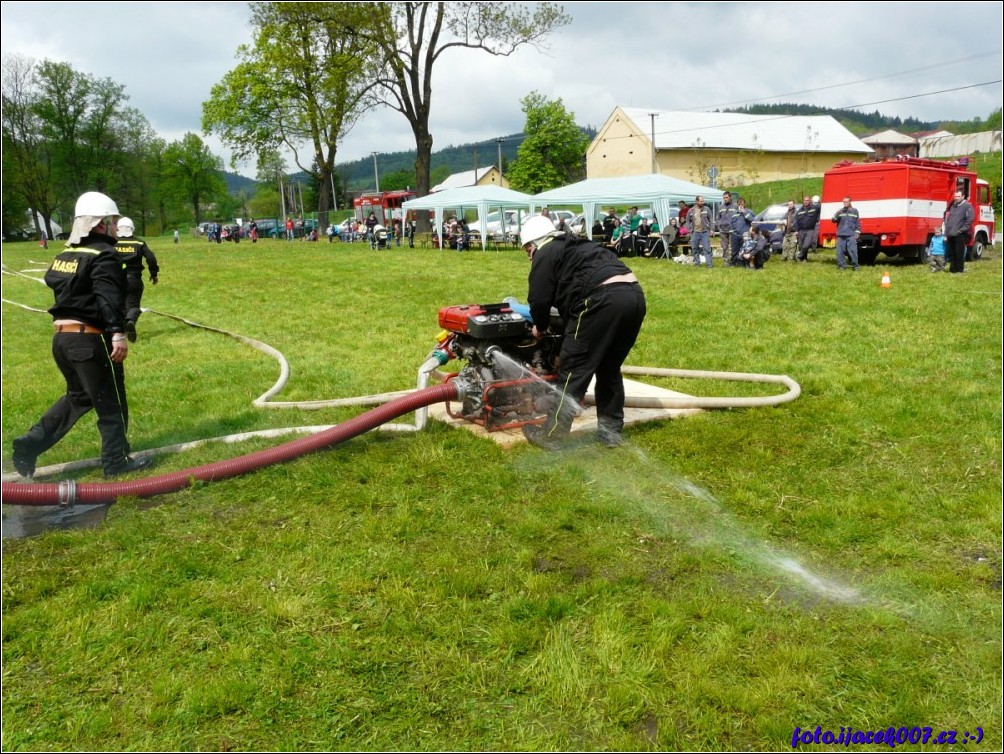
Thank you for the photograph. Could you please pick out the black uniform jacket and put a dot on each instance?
(89, 283)
(564, 272)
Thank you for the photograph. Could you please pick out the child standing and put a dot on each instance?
(936, 251)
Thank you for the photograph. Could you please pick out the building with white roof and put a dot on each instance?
(722, 149)
(486, 176)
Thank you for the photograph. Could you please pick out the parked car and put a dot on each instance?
(578, 223)
(769, 218)
(557, 215)
(494, 226)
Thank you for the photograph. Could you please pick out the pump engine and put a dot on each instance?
(508, 371)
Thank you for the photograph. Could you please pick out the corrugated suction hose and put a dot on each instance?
(69, 492)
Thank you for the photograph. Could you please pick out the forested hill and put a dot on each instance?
(449, 160)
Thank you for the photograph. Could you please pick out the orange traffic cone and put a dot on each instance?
(886, 280)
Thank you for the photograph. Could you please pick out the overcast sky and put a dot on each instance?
(662, 56)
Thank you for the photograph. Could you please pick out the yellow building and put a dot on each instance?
(487, 176)
(734, 149)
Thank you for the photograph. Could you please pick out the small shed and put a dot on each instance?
(890, 143)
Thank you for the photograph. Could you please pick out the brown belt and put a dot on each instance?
(79, 328)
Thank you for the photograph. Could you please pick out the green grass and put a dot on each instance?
(435, 592)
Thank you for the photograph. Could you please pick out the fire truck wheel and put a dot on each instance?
(975, 252)
(867, 256)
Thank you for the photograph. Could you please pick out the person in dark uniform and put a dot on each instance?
(89, 345)
(133, 251)
(603, 307)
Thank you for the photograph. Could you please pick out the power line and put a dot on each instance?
(763, 119)
(858, 81)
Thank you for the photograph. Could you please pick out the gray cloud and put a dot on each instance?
(168, 55)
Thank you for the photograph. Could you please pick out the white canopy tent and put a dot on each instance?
(660, 191)
(481, 198)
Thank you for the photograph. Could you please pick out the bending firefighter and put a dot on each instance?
(89, 344)
(602, 307)
(132, 251)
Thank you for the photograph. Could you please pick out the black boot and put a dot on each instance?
(24, 457)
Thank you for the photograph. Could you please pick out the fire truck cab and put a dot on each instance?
(386, 205)
(902, 200)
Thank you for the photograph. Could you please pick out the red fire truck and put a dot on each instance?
(901, 201)
(386, 205)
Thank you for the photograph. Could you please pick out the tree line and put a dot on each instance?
(66, 132)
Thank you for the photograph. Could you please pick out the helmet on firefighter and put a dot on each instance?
(95, 204)
(535, 229)
(126, 227)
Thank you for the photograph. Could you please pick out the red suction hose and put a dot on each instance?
(69, 492)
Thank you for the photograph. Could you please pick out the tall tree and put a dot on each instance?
(414, 35)
(302, 85)
(192, 172)
(553, 152)
(26, 165)
(80, 117)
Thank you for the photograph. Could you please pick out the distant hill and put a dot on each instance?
(456, 159)
(236, 183)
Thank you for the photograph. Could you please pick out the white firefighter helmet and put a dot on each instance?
(536, 228)
(126, 227)
(95, 204)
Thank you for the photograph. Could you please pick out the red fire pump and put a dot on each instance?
(508, 371)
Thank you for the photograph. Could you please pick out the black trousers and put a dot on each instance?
(93, 380)
(956, 252)
(134, 295)
(596, 343)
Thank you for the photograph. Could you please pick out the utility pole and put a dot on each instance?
(652, 118)
(282, 195)
(499, 142)
(376, 172)
(475, 164)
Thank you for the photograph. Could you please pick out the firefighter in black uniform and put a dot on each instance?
(602, 306)
(90, 345)
(132, 251)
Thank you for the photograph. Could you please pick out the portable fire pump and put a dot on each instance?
(508, 371)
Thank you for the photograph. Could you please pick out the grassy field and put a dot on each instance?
(712, 585)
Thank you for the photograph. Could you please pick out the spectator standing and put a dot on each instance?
(789, 245)
(806, 224)
(725, 213)
(958, 224)
(371, 223)
(936, 251)
(699, 226)
(177, 236)
(848, 223)
(133, 252)
(89, 346)
(43, 239)
(684, 209)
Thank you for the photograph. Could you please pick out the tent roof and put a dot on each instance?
(635, 188)
(481, 198)
(470, 196)
(661, 191)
